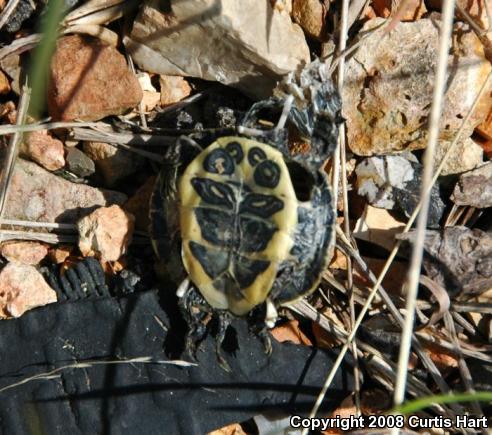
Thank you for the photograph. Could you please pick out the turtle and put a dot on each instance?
(242, 226)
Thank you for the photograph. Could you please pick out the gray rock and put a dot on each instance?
(37, 195)
(389, 84)
(407, 199)
(377, 176)
(465, 156)
(112, 162)
(79, 163)
(393, 183)
(245, 44)
(474, 188)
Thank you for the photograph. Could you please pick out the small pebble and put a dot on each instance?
(79, 163)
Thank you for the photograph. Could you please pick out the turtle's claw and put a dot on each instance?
(266, 340)
(221, 360)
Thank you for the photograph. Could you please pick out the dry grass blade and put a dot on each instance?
(9, 129)
(418, 247)
(33, 224)
(13, 149)
(464, 371)
(50, 238)
(20, 45)
(404, 7)
(441, 296)
(122, 140)
(340, 172)
(87, 364)
(356, 8)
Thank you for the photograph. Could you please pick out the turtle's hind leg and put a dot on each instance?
(195, 310)
(261, 319)
(224, 320)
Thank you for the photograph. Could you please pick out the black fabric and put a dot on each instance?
(144, 398)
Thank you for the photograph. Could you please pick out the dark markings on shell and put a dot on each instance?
(258, 234)
(227, 284)
(267, 174)
(219, 161)
(216, 226)
(213, 263)
(214, 193)
(236, 151)
(256, 155)
(261, 205)
(246, 270)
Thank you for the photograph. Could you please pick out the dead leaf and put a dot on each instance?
(345, 410)
(290, 332)
(232, 429)
(440, 295)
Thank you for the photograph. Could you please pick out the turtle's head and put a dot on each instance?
(301, 119)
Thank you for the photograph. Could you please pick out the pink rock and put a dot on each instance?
(311, 16)
(90, 80)
(22, 288)
(37, 195)
(44, 149)
(106, 233)
(60, 253)
(24, 252)
(173, 89)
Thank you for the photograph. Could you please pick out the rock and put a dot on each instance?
(79, 163)
(389, 82)
(112, 162)
(376, 177)
(485, 128)
(11, 66)
(393, 182)
(22, 12)
(407, 198)
(22, 288)
(44, 149)
(37, 195)
(465, 156)
(106, 232)
(413, 9)
(138, 204)
(474, 188)
(458, 258)
(173, 89)
(245, 44)
(151, 97)
(378, 226)
(89, 80)
(310, 15)
(4, 84)
(59, 254)
(24, 252)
